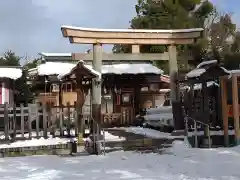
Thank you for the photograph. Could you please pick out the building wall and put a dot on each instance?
(6, 92)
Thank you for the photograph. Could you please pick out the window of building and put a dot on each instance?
(69, 87)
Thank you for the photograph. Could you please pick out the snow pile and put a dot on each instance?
(147, 132)
(36, 142)
(180, 148)
(109, 137)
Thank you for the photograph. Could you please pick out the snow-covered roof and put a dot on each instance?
(54, 68)
(131, 69)
(134, 30)
(88, 67)
(55, 54)
(206, 63)
(195, 73)
(11, 73)
(202, 68)
(62, 69)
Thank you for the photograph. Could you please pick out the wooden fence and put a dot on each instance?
(38, 121)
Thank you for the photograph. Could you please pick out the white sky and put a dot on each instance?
(33, 26)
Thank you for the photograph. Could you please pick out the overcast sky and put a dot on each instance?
(32, 26)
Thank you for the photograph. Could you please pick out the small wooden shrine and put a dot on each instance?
(83, 76)
(201, 101)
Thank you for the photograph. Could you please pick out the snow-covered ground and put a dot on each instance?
(36, 142)
(49, 141)
(157, 134)
(147, 132)
(182, 163)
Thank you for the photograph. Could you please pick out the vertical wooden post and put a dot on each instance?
(173, 71)
(60, 109)
(78, 108)
(14, 112)
(29, 123)
(96, 85)
(206, 116)
(14, 121)
(44, 121)
(76, 118)
(22, 119)
(195, 134)
(235, 108)
(6, 125)
(69, 119)
(50, 120)
(37, 121)
(61, 119)
(96, 90)
(223, 87)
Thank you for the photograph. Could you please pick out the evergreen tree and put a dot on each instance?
(169, 14)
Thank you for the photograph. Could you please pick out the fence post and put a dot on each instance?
(51, 120)
(22, 119)
(29, 124)
(61, 120)
(76, 118)
(44, 121)
(209, 138)
(195, 134)
(69, 118)
(14, 122)
(6, 125)
(37, 121)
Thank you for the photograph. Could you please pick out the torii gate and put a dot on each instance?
(135, 37)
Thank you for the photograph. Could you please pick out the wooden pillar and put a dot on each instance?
(224, 110)
(60, 104)
(205, 112)
(96, 96)
(235, 108)
(173, 71)
(96, 85)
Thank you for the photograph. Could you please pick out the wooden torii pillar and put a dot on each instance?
(135, 37)
(235, 106)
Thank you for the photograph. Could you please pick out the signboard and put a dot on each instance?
(33, 111)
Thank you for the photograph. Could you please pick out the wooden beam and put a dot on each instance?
(87, 40)
(131, 57)
(132, 34)
(223, 86)
(235, 108)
